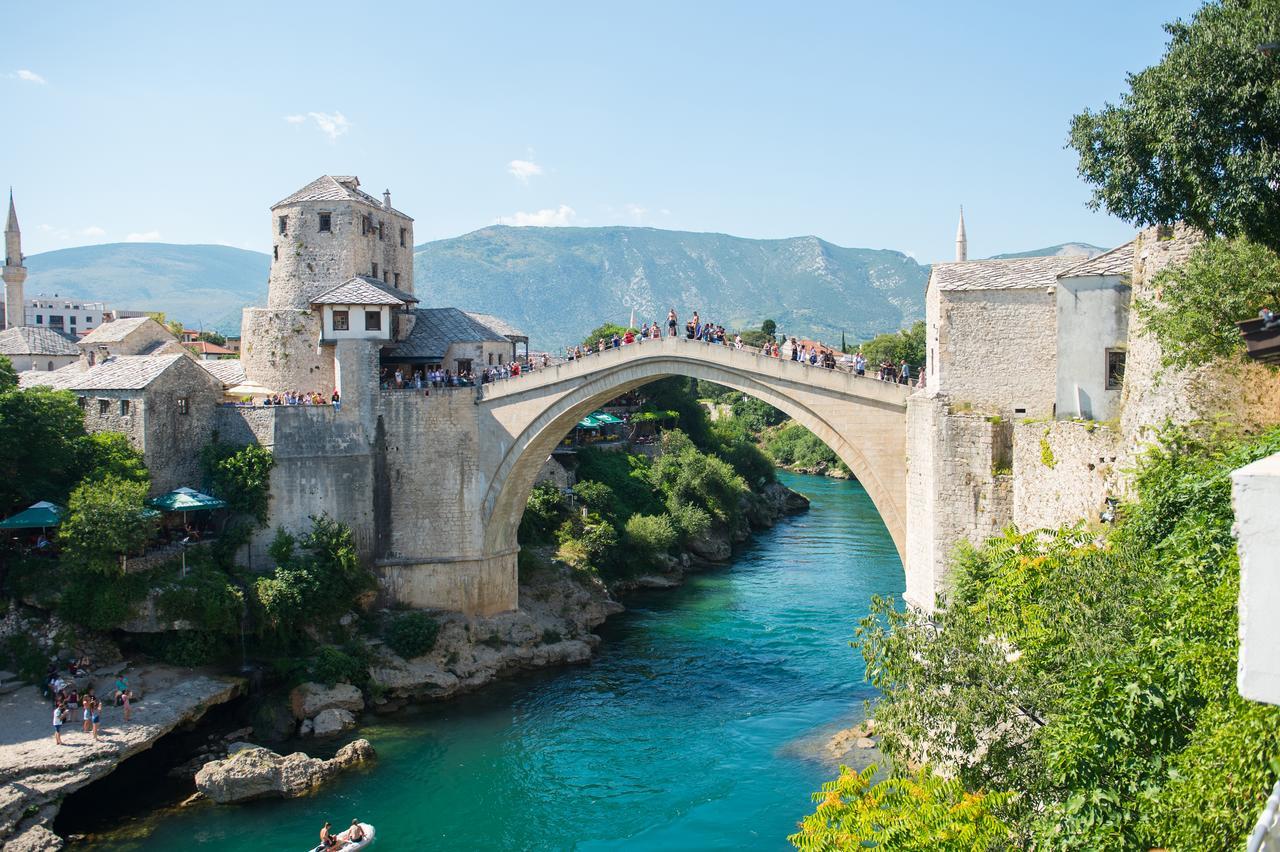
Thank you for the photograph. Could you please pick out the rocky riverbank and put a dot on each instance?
(36, 774)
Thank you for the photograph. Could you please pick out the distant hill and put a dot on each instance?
(555, 283)
(558, 283)
(1080, 250)
(194, 283)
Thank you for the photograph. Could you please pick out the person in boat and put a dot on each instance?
(355, 833)
(327, 839)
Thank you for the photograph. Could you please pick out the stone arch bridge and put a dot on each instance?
(522, 420)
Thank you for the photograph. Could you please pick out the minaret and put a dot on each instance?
(15, 309)
(962, 242)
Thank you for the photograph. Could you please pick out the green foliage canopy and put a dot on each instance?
(104, 522)
(1196, 136)
(906, 344)
(51, 421)
(8, 375)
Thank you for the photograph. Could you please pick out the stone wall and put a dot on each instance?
(1063, 472)
(1247, 395)
(958, 488)
(997, 350)
(42, 363)
(282, 351)
(173, 439)
(1092, 317)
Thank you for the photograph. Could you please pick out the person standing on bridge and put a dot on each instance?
(671, 322)
(904, 373)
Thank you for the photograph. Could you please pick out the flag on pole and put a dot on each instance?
(632, 324)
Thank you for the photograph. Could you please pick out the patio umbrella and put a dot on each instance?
(37, 516)
(186, 500)
(606, 418)
(588, 423)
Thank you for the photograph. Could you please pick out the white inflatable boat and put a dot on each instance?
(348, 846)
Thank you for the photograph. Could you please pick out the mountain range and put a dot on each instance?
(554, 283)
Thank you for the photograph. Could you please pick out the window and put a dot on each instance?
(83, 400)
(375, 269)
(124, 408)
(364, 225)
(275, 252)
(397, 280)
(326, 221)
(403, 231)
(1115, 368)
(104, 405)
(284, 225)
(50, 367)
(39, 319)
(381, 233)
(73, 319)
(88, 320)
(184, 405)
(341, 320)
(384, 276)
(373, 320)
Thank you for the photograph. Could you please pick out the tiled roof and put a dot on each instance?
(204, 347)
(435, 329)
(35, 340)
(1118, 261)
(128, 372)
(498, 324)
(363, 290)
(229, 371)
(116, 331)
(1012, 274)
(330, 188)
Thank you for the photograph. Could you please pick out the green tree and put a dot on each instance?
(605, 333)
(543, 512)
(1196, 135)
(239, 475)
(914, 813)
(8, 375)
(212, 337)
(907, 343)
(647, 537)
(315, 581)
(1199, 301)
(104, 523)
(769, 327)
(52, 422)
(109, 454)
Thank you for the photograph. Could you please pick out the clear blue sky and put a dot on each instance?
(864, 123)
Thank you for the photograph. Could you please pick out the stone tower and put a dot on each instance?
(323, 235)
(15, 273)
(962, 241)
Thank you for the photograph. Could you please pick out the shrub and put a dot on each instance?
(349, 664)
(648, 536)
(689, 520)
(239, 475)
(104, 522)
(411, 634)
(191, 648)
(542, 514)
(23, 657)
(598, 498)
(205, 597)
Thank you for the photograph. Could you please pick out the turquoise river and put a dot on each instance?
(699, 725)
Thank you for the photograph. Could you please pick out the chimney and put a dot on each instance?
(386, 199)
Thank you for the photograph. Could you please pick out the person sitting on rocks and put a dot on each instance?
(122, 687)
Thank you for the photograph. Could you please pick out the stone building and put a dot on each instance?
(164, 403)
(454, 340)
(1041, 390)
(34, 348)
(134, 336)
(327, 234)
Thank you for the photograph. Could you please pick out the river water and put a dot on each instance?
(699, 725)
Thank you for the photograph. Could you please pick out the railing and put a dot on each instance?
(1266, 834)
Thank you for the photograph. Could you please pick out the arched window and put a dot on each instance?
(50, 366)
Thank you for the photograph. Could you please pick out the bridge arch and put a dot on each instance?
(862, 420)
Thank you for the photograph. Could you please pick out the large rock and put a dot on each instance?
(713, 545)
(256, 773)
(310, 699)
(335, 720)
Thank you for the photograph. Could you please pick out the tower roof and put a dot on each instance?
(11, 226)
(330, 188)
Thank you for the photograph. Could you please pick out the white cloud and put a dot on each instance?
(562, 215)
(28, 76)
(143, 237)
(635, 211)
(522, 170)
(93, 231)
(332, 125)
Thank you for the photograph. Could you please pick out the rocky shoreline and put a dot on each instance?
(559, 610)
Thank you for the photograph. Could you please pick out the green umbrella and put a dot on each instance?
(186, 500)
(37, 516)
(606, 418)
(588, 423)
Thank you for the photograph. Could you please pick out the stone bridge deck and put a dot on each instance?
(862, 419)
